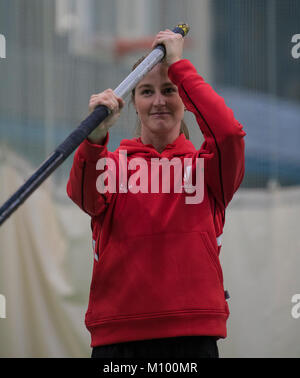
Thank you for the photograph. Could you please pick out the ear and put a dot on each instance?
(133, 103)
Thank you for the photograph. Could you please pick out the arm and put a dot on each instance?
(222, 132)
(81, 187)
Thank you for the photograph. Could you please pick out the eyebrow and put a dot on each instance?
(150, 85)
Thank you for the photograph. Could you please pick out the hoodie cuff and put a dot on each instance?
(92, 152)
(180, 70)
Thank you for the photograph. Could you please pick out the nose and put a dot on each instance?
(159, 100)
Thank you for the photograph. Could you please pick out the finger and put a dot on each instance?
(158, 41)
(100, 101)
(92, 103)
(121, 102)
(108, 100)
(113, 105)
(108, 90)
(110, 95)
(157, 37)
(154, 44)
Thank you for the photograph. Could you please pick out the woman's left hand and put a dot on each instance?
(173, 43)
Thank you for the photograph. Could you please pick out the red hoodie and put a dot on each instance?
(156, 270)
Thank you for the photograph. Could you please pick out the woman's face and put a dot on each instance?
(158, 103)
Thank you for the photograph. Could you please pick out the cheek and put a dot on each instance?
(142, 107)
(179, 108)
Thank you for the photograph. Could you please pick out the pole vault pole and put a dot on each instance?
(83, 130)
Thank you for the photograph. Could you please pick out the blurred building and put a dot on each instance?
(252, 56)
(60, 52)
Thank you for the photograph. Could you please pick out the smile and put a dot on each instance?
(159, 114)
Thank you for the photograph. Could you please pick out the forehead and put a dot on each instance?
(157, 76)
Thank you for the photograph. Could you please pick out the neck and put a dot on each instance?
(159, 141)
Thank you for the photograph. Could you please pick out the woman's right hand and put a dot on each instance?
(114, 104)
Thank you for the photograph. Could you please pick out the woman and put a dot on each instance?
(157, 286)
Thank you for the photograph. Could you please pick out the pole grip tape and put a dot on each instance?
(83, 130)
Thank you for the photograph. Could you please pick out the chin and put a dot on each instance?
(161, 128)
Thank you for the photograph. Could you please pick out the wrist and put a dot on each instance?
(173, 60)
(97, 136)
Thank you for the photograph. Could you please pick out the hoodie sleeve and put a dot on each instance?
(223, 134)
(81, 187)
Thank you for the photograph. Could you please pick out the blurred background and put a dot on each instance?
(60, 52)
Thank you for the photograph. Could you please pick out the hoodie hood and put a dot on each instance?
(135, 148)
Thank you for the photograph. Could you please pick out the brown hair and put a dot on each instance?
(183, 128)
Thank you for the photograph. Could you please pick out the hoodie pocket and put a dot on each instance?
(157, 275)
(212, 255)
(96, 238)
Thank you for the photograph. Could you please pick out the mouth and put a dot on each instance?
(159, 113)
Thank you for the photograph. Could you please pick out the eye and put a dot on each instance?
(146, 92)
(169, 90)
